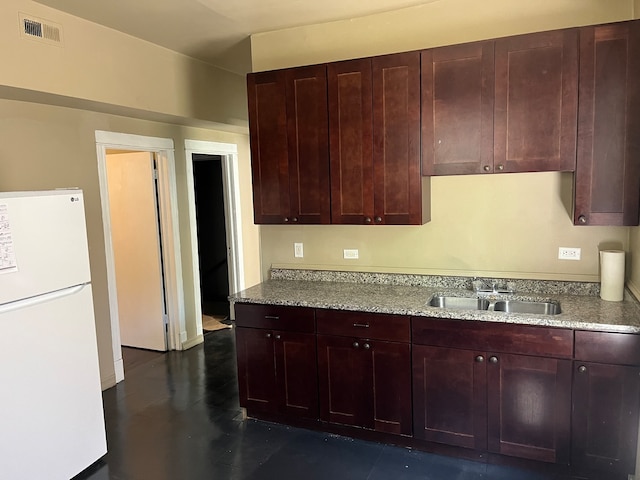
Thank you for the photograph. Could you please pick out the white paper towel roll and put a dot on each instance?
(612, 275)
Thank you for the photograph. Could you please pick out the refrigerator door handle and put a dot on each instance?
(47, 297)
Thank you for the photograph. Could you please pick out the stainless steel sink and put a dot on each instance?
(461, 303)
(519, 306)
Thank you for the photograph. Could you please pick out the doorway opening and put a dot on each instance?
(218, 165)
(212, 235)
(167, 208)
(136, 240)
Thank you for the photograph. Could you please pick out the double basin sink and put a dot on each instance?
(508, 306)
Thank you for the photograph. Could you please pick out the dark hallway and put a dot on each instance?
(212, 237)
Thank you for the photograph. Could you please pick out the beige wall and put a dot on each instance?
(43, 147)
(633, 263)
(433, 24)
(105, 66)
(502, 225)
(113, 82)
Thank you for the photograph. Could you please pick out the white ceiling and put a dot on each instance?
(217, 31)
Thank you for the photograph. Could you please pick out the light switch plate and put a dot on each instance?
(298, 250)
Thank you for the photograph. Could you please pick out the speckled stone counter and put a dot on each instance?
(580, 303)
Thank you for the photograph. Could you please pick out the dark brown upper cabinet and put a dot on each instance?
(374, 131)
(508, 105)
(289, 144)
(351, 141)
(607, 179)
(457, 109)
(536, 100)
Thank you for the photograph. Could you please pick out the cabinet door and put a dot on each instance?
(536, 102)
(457, 109)
(308, 141)
(396, 139)
(606, 399)
(297, 374)
(390, 366)
(269, 151)
(608, 171)
(529, 407)
(351, 141)
(449, 396)
(256, 370)
(344, 385)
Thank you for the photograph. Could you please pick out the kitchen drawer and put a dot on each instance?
(603, 347)
(275, 317)
(493, 337)
(395, 328)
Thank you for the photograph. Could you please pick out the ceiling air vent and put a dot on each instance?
(41, 30)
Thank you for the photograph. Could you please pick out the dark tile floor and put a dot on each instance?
(176, 416)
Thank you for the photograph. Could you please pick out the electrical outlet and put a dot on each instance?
(298, 251)
(567, 253)
(351, 254)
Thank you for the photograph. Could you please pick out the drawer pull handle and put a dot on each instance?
(361, 325)
(271, 317)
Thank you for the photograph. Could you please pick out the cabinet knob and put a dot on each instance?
(378, 219)
(501, 167)
(366, 346)
(493, 359)
(294, 219)
(479, 359)
(277, 337)
(582, 219)
(486, 168)
(286, 219)
(268, 335)
(367, 219)
(356, 344)
(582, 369)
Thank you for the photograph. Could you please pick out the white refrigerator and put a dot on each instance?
(51, 413)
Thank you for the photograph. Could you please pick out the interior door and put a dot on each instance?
(136, 244)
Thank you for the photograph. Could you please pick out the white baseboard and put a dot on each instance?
(106, 383)
(193, 342)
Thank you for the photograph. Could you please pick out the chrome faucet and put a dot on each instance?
(482, 286)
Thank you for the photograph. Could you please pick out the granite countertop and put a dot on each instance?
(581, 306)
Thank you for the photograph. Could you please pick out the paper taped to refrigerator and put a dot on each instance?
(8, 262)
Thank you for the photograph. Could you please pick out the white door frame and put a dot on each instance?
(168, 206)
(232, 216)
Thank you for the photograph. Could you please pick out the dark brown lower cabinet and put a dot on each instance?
(514, 405)
(449, 396)
(606, 399)
(365, 383)
(529, 407)
(277, 372)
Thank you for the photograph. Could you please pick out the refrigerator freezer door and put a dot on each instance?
(43, 243)
(51, 403)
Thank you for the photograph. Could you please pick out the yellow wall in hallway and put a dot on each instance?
(44, 147)
(101, 65)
